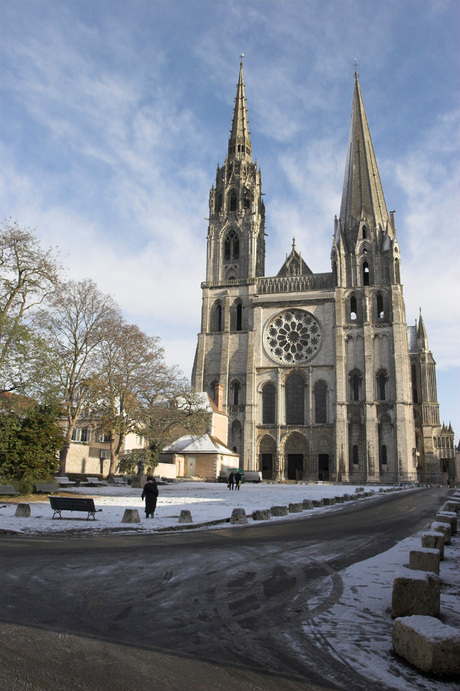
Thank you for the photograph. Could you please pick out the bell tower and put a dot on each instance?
(236, 232)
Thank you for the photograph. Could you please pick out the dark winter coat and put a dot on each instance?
(150, 494)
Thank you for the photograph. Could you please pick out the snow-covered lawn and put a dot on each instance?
(207, 501)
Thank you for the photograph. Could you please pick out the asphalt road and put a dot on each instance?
(220, 609)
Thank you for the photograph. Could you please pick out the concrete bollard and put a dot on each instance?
(346, 497)
(428, 644)
(261, 515)
(185, 516)
(424, 559)
(296, 507)
(22, 511)
(339, 500)
(435, 541)
(279, 511)
(318, 502)
(131, 516)
(448, 517)
(238, 517)
(359, 489)
(307, 504)
(443, 528)
(415, 592)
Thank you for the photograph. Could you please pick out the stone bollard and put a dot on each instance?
(318, 502)
(296, 507)
(448, 517)
(326, 501)
(451, 506)
(424, 559)
(185, 516)
(359, 489)
(443, 528)
(428, 644)
(131, 516)
(339, 500)
(435, 541)
(415, 592)
(346, 497)
(307, 504)
(238, 517)
(279, 511)
(22, 511)
(261, 515)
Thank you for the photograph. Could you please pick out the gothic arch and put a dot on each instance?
(267, 457)
(381, 385)
(320, 395)
(355, 379)
(236, 315)
(237, 437)
(268, 393)
(217, 316)
(235, 393)
(294, 398)
(296, 452)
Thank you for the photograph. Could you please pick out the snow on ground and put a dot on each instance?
(356, 629)
(207, 501)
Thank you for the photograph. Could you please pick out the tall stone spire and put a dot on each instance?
(239, 144)
(362, 195)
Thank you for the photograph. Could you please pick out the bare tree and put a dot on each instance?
(28, 276)
(79, 322)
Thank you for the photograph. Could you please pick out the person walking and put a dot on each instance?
(150, 494)
(231, 480)
(238, 477)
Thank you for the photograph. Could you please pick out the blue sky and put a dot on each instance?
(114, 115)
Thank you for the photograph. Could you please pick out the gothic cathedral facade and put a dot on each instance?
(319, 374)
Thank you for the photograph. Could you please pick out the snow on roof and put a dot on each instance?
(202, 444)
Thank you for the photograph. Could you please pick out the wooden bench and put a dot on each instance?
(46, 487)
(7, 489)
(119, 481)
(59, 504)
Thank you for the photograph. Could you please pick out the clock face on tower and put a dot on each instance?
(292, 337)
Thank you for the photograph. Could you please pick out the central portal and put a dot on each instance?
(295, 466)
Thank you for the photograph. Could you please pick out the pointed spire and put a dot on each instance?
(422, 337)
(362, 189)
(239, 144)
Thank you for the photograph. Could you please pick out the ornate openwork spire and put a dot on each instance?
(362, 189)
(239, 144)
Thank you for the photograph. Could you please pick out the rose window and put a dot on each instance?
(292, 337)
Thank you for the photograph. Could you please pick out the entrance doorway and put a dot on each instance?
(267, 466)
(323, 466)
(295, 466)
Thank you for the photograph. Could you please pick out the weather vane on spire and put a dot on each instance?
(241, 57)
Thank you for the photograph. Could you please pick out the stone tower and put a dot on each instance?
(314, 370)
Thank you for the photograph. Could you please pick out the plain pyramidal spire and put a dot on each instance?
(362, 195)
(239, 144)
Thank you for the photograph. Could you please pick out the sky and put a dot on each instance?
(115, 114)
(361, 635)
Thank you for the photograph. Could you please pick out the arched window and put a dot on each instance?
(355, 385)
(353, 308)
(231, 246)
(219, 203)
(380, 309)
(236, 389)
(216, 317)
(414, 384)
(295, 400)
(397, 272)
(320, 402)
(268, 405)
(364, 232)
(366, 274)
(383, 455)
(233, 201)
(239, 316)
(382, 379)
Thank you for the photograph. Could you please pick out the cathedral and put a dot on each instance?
(318, 373)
